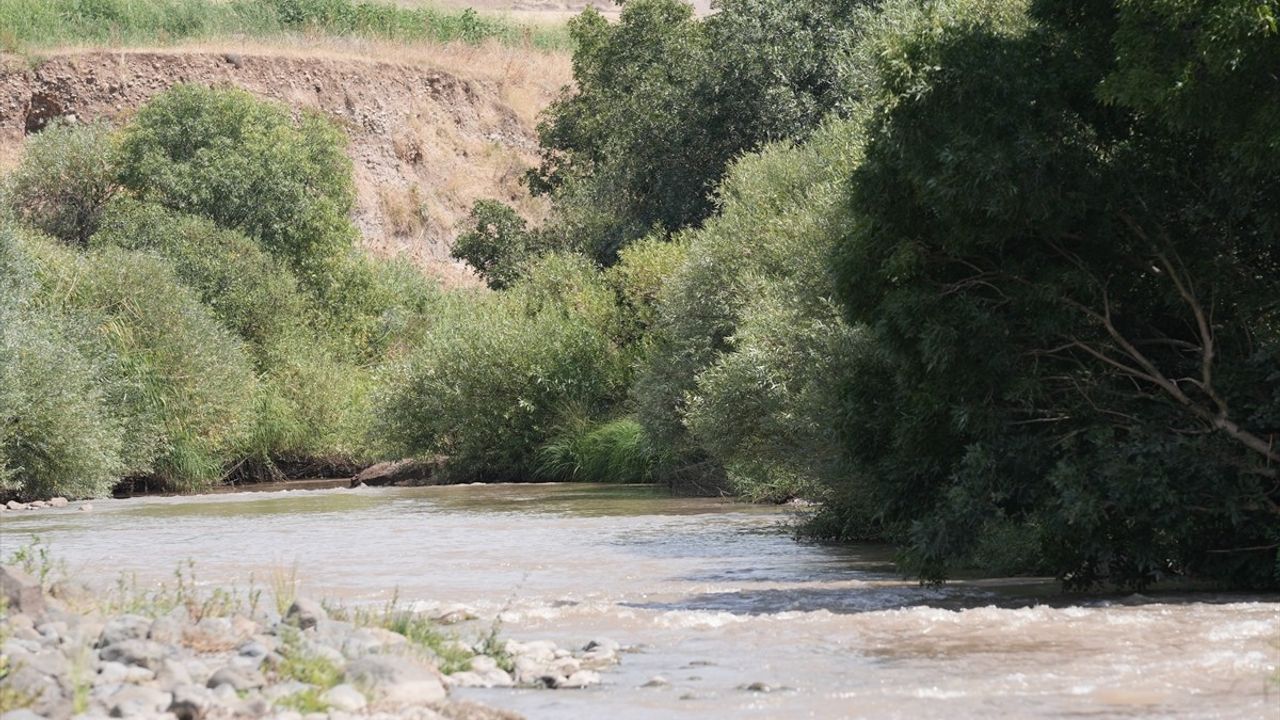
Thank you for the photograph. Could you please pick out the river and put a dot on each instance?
(712, 595)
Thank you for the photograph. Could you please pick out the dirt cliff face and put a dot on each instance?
(425, 142)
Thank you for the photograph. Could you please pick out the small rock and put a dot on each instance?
(191, 702)
(238, 678)
(53, 631)
(253, 649)
(22, 591)
(580, 679)
(87, 507)
(27, 682)
(124, 627)
(73, 593)
(345, 698)
(112, 673)
(143, 653)
(37, 504)
(604, 644)
(304, 613)
(21, 621)
(211, 634)
(58, 502)
(165, 630)
(757, 687)
(173, 673)
(138, 701)
(225, 695)
(15, 505)
(656, 681)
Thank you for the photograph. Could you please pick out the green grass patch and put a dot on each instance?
(615, 451)
(45, 23)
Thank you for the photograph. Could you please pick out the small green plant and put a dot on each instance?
(304, 666)
(284, 587)
(306, 701)
(492, 644)
(422, 632)
(34, 559)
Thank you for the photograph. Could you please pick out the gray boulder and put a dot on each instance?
(124, 627)
(239, 678)
(143, 653)
(345, 698)
(304, 613)
(133, 701)
(191, 702)
(22, 591)
(396, 680)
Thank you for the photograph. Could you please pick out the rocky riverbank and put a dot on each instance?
(67, 653)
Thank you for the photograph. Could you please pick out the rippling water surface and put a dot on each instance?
(713, 595)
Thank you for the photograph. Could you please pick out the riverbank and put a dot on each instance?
(179, 652)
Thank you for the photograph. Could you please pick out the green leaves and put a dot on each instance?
(1064, 269)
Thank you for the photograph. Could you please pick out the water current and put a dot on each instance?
(711, 595)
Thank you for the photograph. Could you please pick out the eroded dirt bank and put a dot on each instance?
(432, 129)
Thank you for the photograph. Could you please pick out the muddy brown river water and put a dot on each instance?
(714, 596)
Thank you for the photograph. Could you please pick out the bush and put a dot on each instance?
(181, 385)
(745, 319)
(496, 243)
(246, 165)
(642, 271)
(488, 386)
(57, 433)
(251, 293)
(65, 180)
(616, 451)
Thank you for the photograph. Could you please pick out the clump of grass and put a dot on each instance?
(284, 587)
(306, 701)
(58, 22)
(304, 666)
(421, 631)
(616, 451)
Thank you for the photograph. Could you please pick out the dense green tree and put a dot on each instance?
(663, 102)
(1071, 277)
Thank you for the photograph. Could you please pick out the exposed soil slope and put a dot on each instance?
(431, 131)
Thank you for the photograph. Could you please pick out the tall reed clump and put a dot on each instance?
(57, 431)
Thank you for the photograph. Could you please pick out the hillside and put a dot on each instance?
(432, 127)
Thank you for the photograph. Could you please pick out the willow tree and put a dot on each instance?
(1066, 241)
